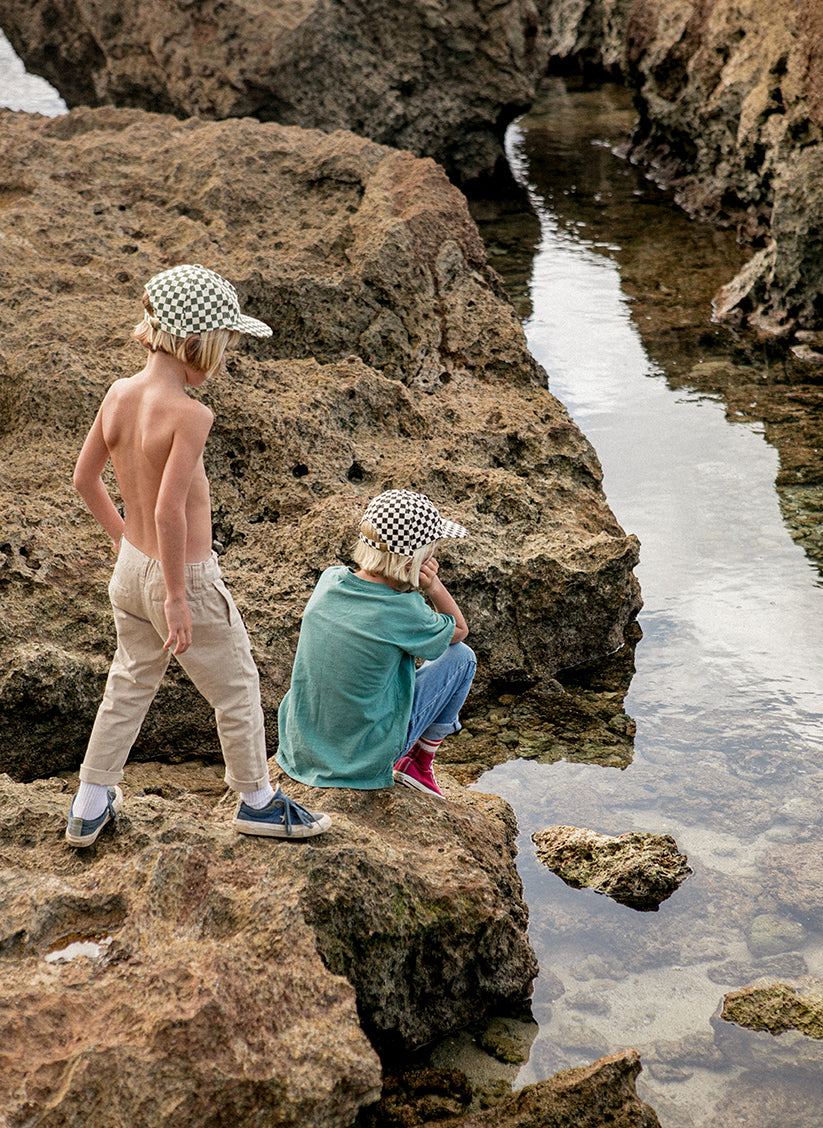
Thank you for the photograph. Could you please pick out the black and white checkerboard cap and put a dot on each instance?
(191, 299)
(406, 521)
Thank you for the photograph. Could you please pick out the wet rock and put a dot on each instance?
(588, 1097)
(441, 80)
(231, 972)
(778, 1007)
(578, 716)
(693, 1050)
(489, 1054)
(637, 869)
(781, 1053)
(505, 1040)
(396, 359)
(417, 1096)
(595, 1001)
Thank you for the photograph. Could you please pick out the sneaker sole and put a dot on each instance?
(271, 830)
(88, 839)
(410, 781)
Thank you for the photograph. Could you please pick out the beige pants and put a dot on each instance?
(219, 662)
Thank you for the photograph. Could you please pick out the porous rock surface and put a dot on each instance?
(396, 360)
(638, 869)
(179, 971)
(442, 79)
(731, 118)
(778, 1007)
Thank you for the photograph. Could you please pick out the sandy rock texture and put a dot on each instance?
(177, 970)
(585, 35)
(396, 361)
(637, 869)
(442, 79)
(730, 117)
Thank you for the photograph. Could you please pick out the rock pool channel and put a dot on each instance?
(614, 286)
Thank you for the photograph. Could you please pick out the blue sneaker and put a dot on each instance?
(82, 832)
(281, 818)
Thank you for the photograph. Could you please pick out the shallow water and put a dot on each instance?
(728, 689)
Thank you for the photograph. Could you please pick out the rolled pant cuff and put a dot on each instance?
(100, 777)
(247, 785)
(440, 732)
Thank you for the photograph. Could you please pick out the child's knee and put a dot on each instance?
(459, 652)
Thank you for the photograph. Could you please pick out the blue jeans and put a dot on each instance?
(440, 688)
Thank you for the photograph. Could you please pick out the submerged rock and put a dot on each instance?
(768, 934)
(637, 869)
(442, 80)
(178, 967)
(791, 874)
(396, 361)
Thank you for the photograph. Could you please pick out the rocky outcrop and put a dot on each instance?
(637, 869)
(177, 969)
(396, 360)
(585, 35)
(442, 80)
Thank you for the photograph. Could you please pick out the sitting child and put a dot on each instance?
(357, 713)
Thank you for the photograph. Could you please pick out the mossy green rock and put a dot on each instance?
(778, 1007)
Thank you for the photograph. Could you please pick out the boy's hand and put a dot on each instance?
(178, 620)
(428, 573)
(433, 586)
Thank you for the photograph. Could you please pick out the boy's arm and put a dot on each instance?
(170, 520)
(89, 484)
(431, 584)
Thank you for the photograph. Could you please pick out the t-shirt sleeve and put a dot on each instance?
(423, 632)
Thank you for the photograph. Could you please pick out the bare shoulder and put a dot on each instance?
(193, 414)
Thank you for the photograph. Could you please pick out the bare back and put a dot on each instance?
(155, 434)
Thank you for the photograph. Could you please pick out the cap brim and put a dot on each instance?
(253, 327)
(452, 529)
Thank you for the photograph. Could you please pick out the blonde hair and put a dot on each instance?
(203, 351)
(381, 562)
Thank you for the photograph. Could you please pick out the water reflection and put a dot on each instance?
(728, 689)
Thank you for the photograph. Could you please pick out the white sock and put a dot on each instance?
(427, 747)
(258, 799)
(90, 801)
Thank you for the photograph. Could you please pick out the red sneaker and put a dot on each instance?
(416, 775)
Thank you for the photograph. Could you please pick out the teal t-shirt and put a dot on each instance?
(345, 717)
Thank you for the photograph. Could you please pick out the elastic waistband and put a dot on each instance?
(133, 557)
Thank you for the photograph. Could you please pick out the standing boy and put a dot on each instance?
(166, 592)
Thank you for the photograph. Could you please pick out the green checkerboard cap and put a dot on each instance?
(191, 299)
